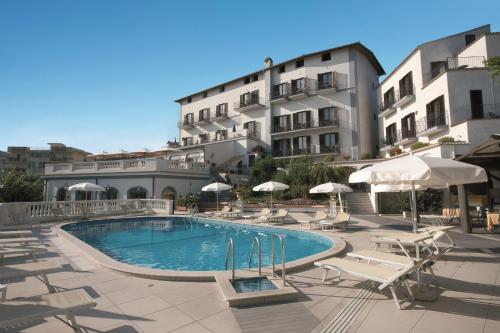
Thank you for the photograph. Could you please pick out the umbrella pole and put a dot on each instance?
(341, 205)
(271, 202)
(414, 206)
(217, 201)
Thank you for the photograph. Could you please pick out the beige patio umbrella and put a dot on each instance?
(332, 188)
(271, 187)
(217, 187)
(87, 188)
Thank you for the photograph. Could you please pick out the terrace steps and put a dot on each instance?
(359, 203)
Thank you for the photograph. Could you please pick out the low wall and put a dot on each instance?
(26, 213)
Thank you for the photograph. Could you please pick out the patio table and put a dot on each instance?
(493, 221)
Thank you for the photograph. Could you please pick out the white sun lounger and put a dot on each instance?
(387, 277)
(25, 310)
(19, 251)
(16, 233)
(18, 240)
(39, 268)
(340, 218)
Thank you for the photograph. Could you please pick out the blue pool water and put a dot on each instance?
(176, 243)
(253, 285)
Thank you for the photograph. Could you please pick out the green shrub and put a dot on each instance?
(395, 151)
(418, 145)
(446, 139)
(20, 187)
(189, 200)
(329, 158)
(366, 156)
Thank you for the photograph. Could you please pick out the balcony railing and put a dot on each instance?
(203, 119)
(220, 115)
(479, 111)
(466, 62)
(250, 101)
(280, 129)
(314, 123)
(279, 91)
(228, 136)
(183, 124)
(430, 124)
(309, 150)
(300, 89)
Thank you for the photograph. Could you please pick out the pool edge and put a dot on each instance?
(102, 259)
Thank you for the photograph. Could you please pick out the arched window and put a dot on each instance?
(137, 192)
(61, 194)
(111, 193)
(168, 193)
(81, 195)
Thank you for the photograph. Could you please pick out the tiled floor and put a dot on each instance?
(469, 298)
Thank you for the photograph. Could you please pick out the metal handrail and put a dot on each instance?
(255, 240)
(230, 245)
(282, 256)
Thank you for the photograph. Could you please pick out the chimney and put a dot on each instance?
(268, 62)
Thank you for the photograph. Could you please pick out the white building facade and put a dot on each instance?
(442, 89)
(319, 104)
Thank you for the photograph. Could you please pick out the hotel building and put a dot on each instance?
(318, 104)
(442, 89)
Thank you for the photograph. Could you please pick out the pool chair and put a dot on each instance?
(30, 309)
(224, 210)
(18, 240)
(340, 218)
(39, 268)
(386, 276)
(19, 251)
(279, 217)
(234, 214)
(16, 233)
(318, 217)
(263, 213)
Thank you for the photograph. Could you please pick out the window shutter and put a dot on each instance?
(334, 79)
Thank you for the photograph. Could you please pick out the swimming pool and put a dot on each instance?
(176, 243)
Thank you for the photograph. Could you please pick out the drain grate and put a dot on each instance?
(345, 318)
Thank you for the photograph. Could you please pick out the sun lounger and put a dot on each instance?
(279, 217)
(39, 268)
(263, 212)
(318, 217)
(235, 213)
(340, 218)
(18, 251)
(224, 210)
(16, 233)
(382, 257)
(387, 277)
(24, 310)
(18, 240)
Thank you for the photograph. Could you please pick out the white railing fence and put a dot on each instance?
(19, 213)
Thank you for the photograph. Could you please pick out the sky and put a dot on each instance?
(104, 74)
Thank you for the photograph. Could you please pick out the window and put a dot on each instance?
(281, 147)
(299, 63)
(435, 113)
(388, 98)
(203, 137)
(187, 141)
(408, 126)
(301, 120)
(281, 124)
(249, 98)
(253, 128)
(279, 91)
(204, 114)
(255, 78)
(298, 86)
(222, 88)
(406, 85)
(188, 119)
(390, 134)
(326, 56)
(281, 69)
(328, 116)
(327, 80)
(189, 100)
(221, 135)
(469, 39)
(205, 94)
(302, 145)
(221, 110)
(437, 67)
(247, 80)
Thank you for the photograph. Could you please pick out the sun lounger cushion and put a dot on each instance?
(15, 312)
(382, 257)
(18, 240)
(16, 233)
(29, 269)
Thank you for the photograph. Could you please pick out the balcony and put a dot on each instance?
(220, 116)
(251, 101)
(279, 93)
(436, 123)
(185, 124)
(386, 109)
(203, 121)
(120, 166)
(406, 136)
(327, 86)
(299, 91)
(466, 62)
(474, 112)
(387, 143)
(314, 124)
(404, 97)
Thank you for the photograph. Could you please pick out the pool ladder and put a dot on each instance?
(256, 240)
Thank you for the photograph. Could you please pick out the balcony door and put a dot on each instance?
(390, 134)
(301, 144)
(282, 147)
(327, 116)
(436, 113)
(476, 104)
(282, 123)
(406, 85)
(328, 142)
(408, 126)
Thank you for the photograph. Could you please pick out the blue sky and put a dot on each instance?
(103, 75)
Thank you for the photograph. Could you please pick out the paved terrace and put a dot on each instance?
(469, 298)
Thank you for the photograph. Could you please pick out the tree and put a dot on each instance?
(21, 188)
(493, 65)
(263, 170)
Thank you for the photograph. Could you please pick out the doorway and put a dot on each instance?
(476, 104)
